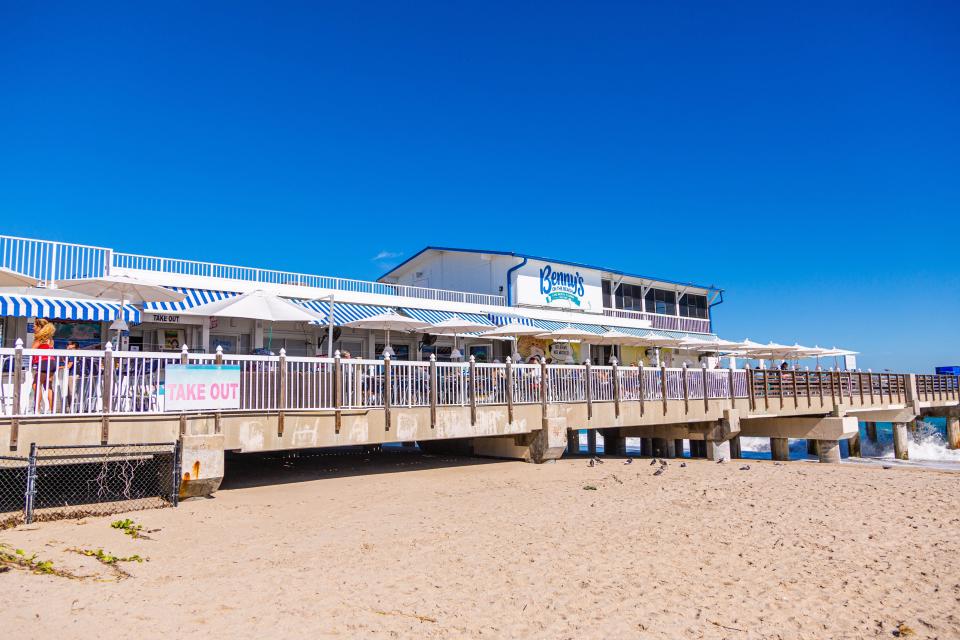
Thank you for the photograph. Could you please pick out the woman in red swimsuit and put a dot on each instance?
(45, 367)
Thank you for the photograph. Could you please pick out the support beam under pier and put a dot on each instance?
(780, 449)
(829, 451)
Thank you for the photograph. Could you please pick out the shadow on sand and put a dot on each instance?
(246, 470)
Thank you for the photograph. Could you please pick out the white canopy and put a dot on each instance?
(512, 330)
(123, 288)
(11, 278)
(257, 305)
(455, 326)
(388, 321)
(655, 340)
(570, 334)
(614, 337)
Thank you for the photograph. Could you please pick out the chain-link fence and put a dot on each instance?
(76, 481)
(13, 490)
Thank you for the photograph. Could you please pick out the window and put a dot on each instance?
(692, 306)
(630, 297)
(662, 301)
(607, 294)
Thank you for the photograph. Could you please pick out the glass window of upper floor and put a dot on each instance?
(631, 297)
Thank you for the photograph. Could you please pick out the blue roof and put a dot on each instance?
(542, 259)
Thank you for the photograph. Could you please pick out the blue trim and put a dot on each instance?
(510, 281)
(541, 259)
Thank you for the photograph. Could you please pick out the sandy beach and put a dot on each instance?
(399, 544)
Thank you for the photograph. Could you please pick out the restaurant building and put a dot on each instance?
(488, 287)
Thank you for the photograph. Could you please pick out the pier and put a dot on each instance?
(506, 410)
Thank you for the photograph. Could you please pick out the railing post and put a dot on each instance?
(433, 391)
(509, 389)
(107, 374)
(473, 390)
(184, 359)
(642, 388)
(686, 390)
(870, 378)
(806, 379)
(281, 391)
(860, 384)
(766, 388)
(218, 415)
(31, 490)
(588, 373)
(17, 365)
(796, 398)
(706, 392)
(544, 381)
(663, 385)
(387, 390)
(616, 387)
(751, 391)
(730, 379)
(337, 391)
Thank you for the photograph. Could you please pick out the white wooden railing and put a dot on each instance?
(48, 261)
(660, 321)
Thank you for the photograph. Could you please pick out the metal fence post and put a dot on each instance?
(473, 390)
(31, 489)
(175, 481)
(17, 365)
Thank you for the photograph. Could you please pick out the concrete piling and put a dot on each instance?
(854, 445)
(670, 448)
(646, 447)
(901, 448)
(828, 451)
(573, 442)
(812, 448)
(953, 432)
(735, 450)
(592, 442)
(872, 432)
(659, 447)
(779, 449)
(716, 449)
(678, 447)
(613, 443)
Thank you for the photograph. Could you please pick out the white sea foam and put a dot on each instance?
(926, 444)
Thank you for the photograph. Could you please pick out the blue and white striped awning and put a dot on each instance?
(65, 308)
(342, 311)
(194, 298)
(664, 333)
(433, 317)
(502, 319)
(553, 325)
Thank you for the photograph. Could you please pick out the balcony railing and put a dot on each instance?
(658, 321)
(48, 260)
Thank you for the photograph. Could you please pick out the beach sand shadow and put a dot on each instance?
(246, 470)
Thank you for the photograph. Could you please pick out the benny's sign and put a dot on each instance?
(546, 284)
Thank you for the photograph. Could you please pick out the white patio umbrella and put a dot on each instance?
(512, 331)
(568, 334)
(388, 322)
(11, 278)
(258, 305)
(614, 337)
(455, 326)
(126, 289)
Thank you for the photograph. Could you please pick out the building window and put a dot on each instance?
(662, 301)
(692, 306)
(607, 294)
(630, 297)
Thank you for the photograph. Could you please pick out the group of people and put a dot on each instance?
(45, 367)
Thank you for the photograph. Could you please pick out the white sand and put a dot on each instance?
(348, 548)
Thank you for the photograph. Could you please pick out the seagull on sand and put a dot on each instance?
(721, 460)
(628, 461)
(745, 467)
(653, 462)
(659, 471)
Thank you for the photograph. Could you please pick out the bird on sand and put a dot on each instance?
(628, 461)
(683, 464)
(592, 463)
(721, 460)
(653, 462)
(658, 471)
(745, 467)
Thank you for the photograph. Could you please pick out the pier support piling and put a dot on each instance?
(872, 432)
(953, 432)
(678, 448)
(670, 448)
(613, 443)
(735, 449)
(901, 448)
(659, 447)
(573, 442)
(812, 447)
(854, 445)
(592, 442)
(716, 449)
(780, 449)
(646, 447)
(828, 451)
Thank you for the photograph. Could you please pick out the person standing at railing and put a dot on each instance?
(44, 367)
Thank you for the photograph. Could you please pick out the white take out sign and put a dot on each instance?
(192, 387)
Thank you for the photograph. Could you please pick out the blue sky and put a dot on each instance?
(806, 158)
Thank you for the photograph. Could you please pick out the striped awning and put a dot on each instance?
(553, 325)
(342, 311)
(642, 333)
(23, 306)
(194, 298)
(502, 319)
(429, 315)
